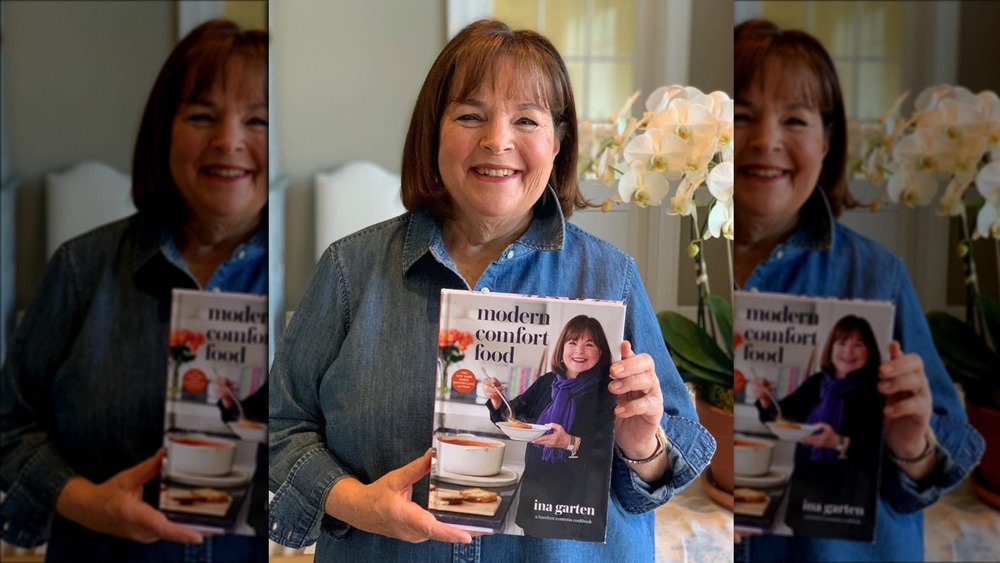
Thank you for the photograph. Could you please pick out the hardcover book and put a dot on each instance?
(523, 419)
(214, 428)
(808, 421)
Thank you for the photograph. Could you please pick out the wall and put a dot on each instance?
(346, 75)
(76, 76)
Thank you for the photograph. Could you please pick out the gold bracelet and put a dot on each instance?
(930, 441)
(661, 446)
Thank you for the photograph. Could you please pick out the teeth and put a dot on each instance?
(764, 172)
(226, 172)
(495, 173)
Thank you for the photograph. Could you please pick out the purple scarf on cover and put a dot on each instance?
(562, 409)
(830, 409)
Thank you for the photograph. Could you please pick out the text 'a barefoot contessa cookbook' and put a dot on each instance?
(545, 469)
(808, 445)
(217, 363)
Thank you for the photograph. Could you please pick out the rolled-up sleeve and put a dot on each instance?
(959, 445)
(690, 444)
(302, 468)
(32, 471)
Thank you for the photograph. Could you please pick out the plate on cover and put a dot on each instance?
(234, 478)
(523, 434)
(791, 431)
(502, 479)
(772, 478)
(249, 431)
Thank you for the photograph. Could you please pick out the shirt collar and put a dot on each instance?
(815, 229)
(546, 231)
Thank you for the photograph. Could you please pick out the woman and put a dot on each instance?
(839, 462)
(489, 174)
(790, 149)
(572, 399)
(85, 382)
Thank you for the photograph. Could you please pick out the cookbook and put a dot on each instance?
(523, 420)
(808, 420)
(216, 409)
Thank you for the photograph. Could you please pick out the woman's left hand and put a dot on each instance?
(907, 402)
(558, 438)
(826, 437)
(640, 403)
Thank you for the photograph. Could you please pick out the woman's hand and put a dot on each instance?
(224, 390)
(639, 410)
(907, 409)
(763, 390)
(115, 506)
(826, 437)
(558, 438)
(492, 389)
(385, 508)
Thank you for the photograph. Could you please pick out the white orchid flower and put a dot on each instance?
(951, 203)
(926, 150)
(720, 219)
(911, 186)
(988, 221)
(691, 122)
(659, 151)
(646, 188)
(720, 181)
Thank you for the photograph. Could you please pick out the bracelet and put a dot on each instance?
(931, 444)
(574, 447)
(661, 446)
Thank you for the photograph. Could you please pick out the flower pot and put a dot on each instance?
(719, 424)
(987, 422)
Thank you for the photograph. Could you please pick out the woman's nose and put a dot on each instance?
(228, 136)
(496, 137)
(764, 137)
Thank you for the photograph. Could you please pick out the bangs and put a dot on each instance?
(529, 80)
(213, 63)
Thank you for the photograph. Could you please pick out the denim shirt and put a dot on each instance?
(824, 258)
(84, 383)
(352, 384)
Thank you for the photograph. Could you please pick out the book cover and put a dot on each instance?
(545, 469)
(808, 419)
(214, 475)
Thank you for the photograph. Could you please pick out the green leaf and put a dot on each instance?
(694, 350)
(991, 315)
(960, 347)
(723, 314)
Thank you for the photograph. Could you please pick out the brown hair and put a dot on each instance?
(845, 327)
(192, 68)
(470, 59)
(758, 41)
(576, 327)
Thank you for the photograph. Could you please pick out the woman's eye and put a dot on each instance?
(796, 121)
(527, 121)
(740, 118)
(469, 117)
(258, 121)
(199, 118)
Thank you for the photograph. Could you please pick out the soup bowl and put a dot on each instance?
(468, 454)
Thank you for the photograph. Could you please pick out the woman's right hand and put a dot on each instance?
(115, 506)
(384, 507)
(492, 389)
(763, 390)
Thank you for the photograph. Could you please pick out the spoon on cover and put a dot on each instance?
(510, 411)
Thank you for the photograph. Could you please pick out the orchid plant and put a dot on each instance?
(680, 151)
(951, 139)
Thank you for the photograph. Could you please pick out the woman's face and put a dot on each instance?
(779, 147)
(496, 153)
(218, 150)
(849, 354)
(580, 354)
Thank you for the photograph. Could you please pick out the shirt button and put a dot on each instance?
(242, 254)
(216, 289)
(779, 254)
(484, 290)
(510, 254)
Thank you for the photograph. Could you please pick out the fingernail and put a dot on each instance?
(616, 369)
(616, 385)
(619, 410)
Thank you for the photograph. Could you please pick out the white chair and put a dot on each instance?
(356, 195)
(85, 196)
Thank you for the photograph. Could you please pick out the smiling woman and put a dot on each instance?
(488, 178)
